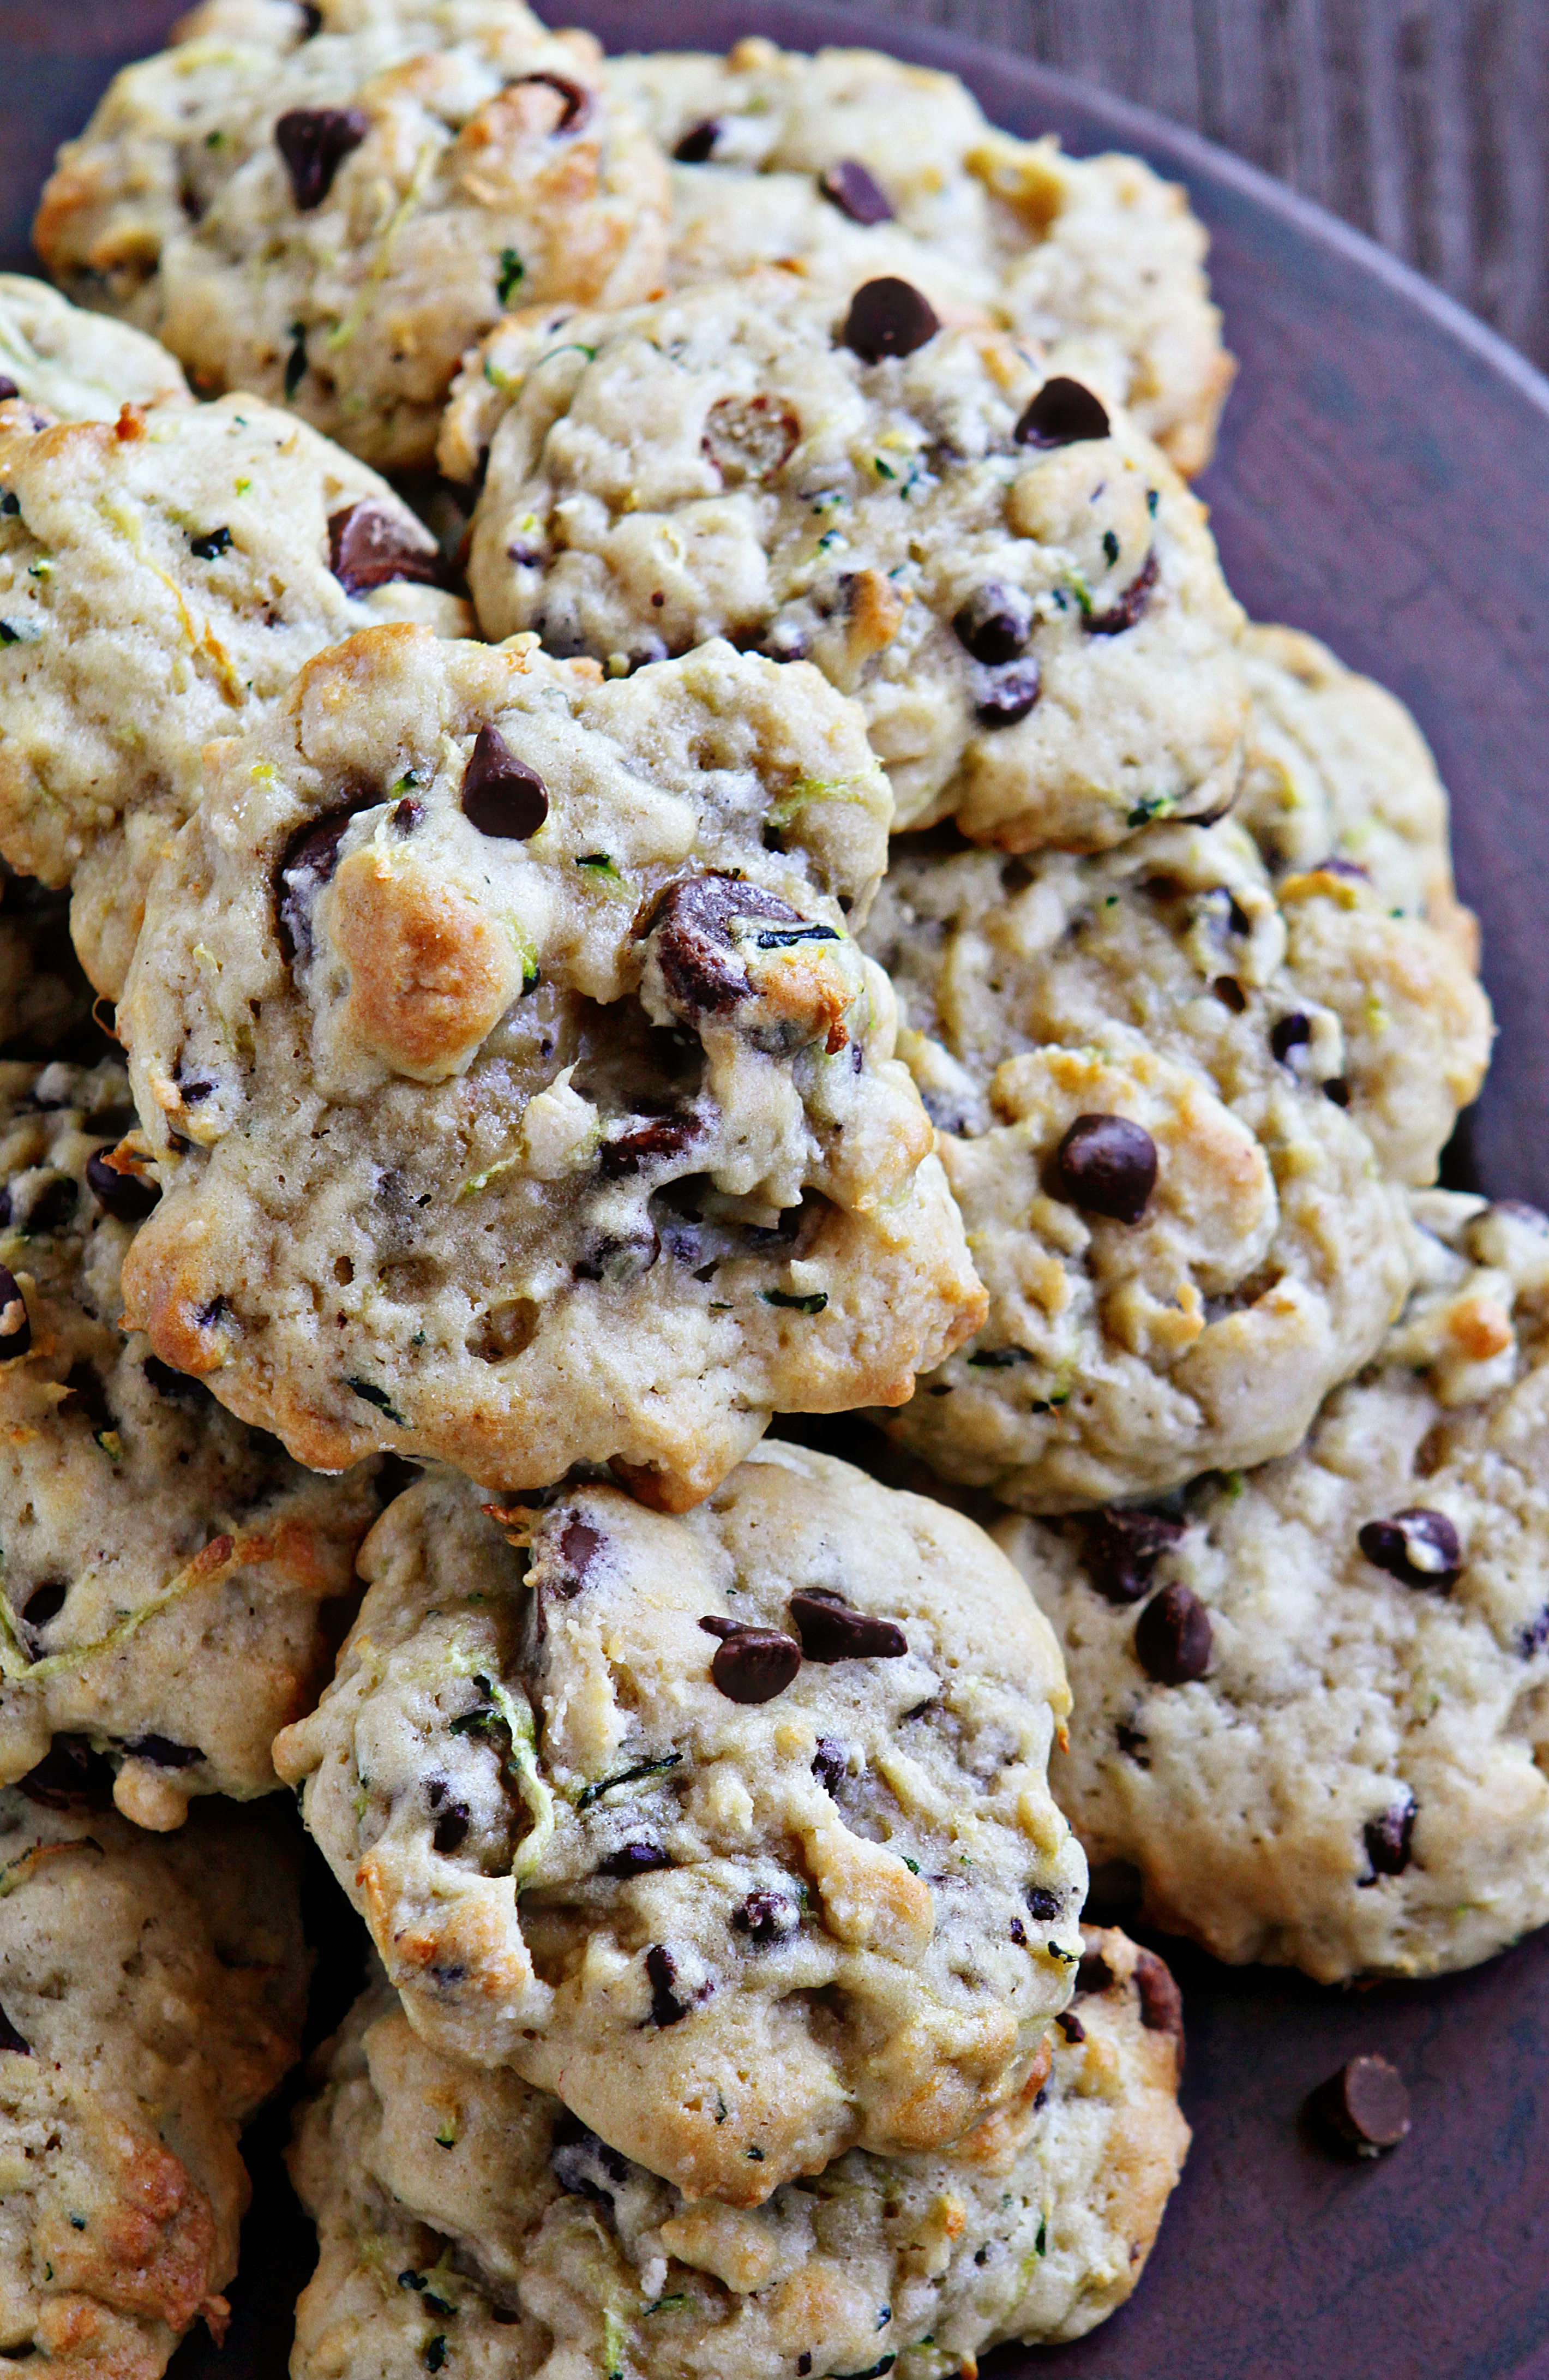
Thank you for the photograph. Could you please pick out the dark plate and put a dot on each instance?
(1383, 481)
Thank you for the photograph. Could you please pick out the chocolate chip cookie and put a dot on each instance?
(81, 365)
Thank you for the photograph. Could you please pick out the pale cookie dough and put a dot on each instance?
(466, 2207)
(1356, 1783)
(151, 1998)
(1143, 1326)
(769, 1780)
(519, 1093)
(168, 1572)
(78, 365)
(1338, 768)
(161, 580)
(1094, 257)
(1016, 586)
(327, 204)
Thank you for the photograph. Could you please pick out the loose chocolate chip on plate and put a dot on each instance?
(502, 796)
(1123, 1546)
(1127, 609)
(1107, 1166)
(633, 1859)
(831, 1631)
(752, 1665)
(697, 145)
(847, 184)
(661, 1971)
(1389, 1838)
(1172, 1636)
(10, 2040)
(888, 317)
(1064, 412)
(1011, 696)
(1417, 1547)
(314, 142)
(1365, 2104)
(578, 99)
(127, 1195)
(16, 1327)
(368, 545)
(994, 624)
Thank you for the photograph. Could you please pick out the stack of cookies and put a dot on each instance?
(635, 808)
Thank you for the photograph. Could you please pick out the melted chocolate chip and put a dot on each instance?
(1173, 1636)
(1288, 1033)
(1043, 1905)
(70, 1773)
(129, 1196)
(10, 2040)
(314, 142)
(994, 624)
(847, 184)
(1064, 412)
(765, 1918)
(15, 1326)
(307, 863)
(1336, 1089)
(1390, 1839)
(650, 1141)
(368, 545)
(830, 1630)
(7, 388)
(579, 1546)
(578, 99)
(1107, 1166)
(749, 437)
(408, 815)
(1161, 2002)
(697, 145)
(1011, 696)
(162, 1752)
(1417, 1547)
(1094, 1974)
(45, 1602)
(502, 796)
(702, 970)
(661, 1972)
(633, 1859)
(1129, 606)
(450, 1827)
(1366, 2106)
(1071, 2026)
(888, 318)
(1123, 1546)
(752, 1665)
(830, 1764)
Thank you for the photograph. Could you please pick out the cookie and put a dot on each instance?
(161, 580)
(1015, 586)
(1338, 768)
(1312, 1702)
(151, 1998)
(328, 204)
(519, 1093)
(768, 1779)
(1147, 1124)
(168, 1572)
(843, 163)
(81, 365)
(465, 2207)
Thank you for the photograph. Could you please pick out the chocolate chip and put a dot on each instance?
(1230, 994)
(847, 184)
(1129, 607)
(1172, 1636)
(502, 796)
(1332, 865)
(1161, 2002)
(1365, 2104)
(994, 624)
(1018, 1932)
(370, 545)
(12, 2041)
(16, 1327)
(1043, 1905)
(307, 864)
(830, 1764)
(766, 1917)
(653, 1140)
(162, 1752)
(752, 1665)
(697, 145)
(1389, 1839)
(212, 545)
(661, 1971)
(582, 2163)
(831, 1631)
(578, 99)
(311, 19)
(1071, 2026)
(314, 142)
(633, 1859)
(70, 1773)
(1288, 1033)
(702, 970)
(450, 1827)
(178, 1388)
(45, 1602)
(1064, 412)
(1107, 1165)
(129, 1196)
(7, 388)
(749, 437)
(1094, 1974)
(579, 1546)
(1336, 1089)
(1123, 1546)
(1417, 1547)
(1011, 696)
(888, 318)
(408, 816)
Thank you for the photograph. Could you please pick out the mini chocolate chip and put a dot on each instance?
(1417, 1547)
(450, 1827)
(1107, 1166)
(1071, 2026)
(314, 142)
(45, 1602)
(651, 1140)
(661, 1971)
(994, 624)
(16, 1327)
(162, 1752)
(1161, 2002)
(7, 388)
(1336, 1089)
(830, 1630)
(578, 99)
(1043, 1905)
(1230, 994)
(70, 1773)
(756, 1664)
(1365, 2104)
(1123, 1546)
(370, 545)
(127, 1195)
(1011, 696)
(1390, 1839)
(847, 184)
(212, 545)
(766, 1917)
(1288, 1033)
(307, 864)
(502, 796)
(1172, 1636)
(830, 1764)
(1019, 1932)
(12, 2041)
(888, 318)
(407, 816)
(1130, 604)
(633, 1859)
(1064, 412)
(1094, 1974)
(697, 145)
